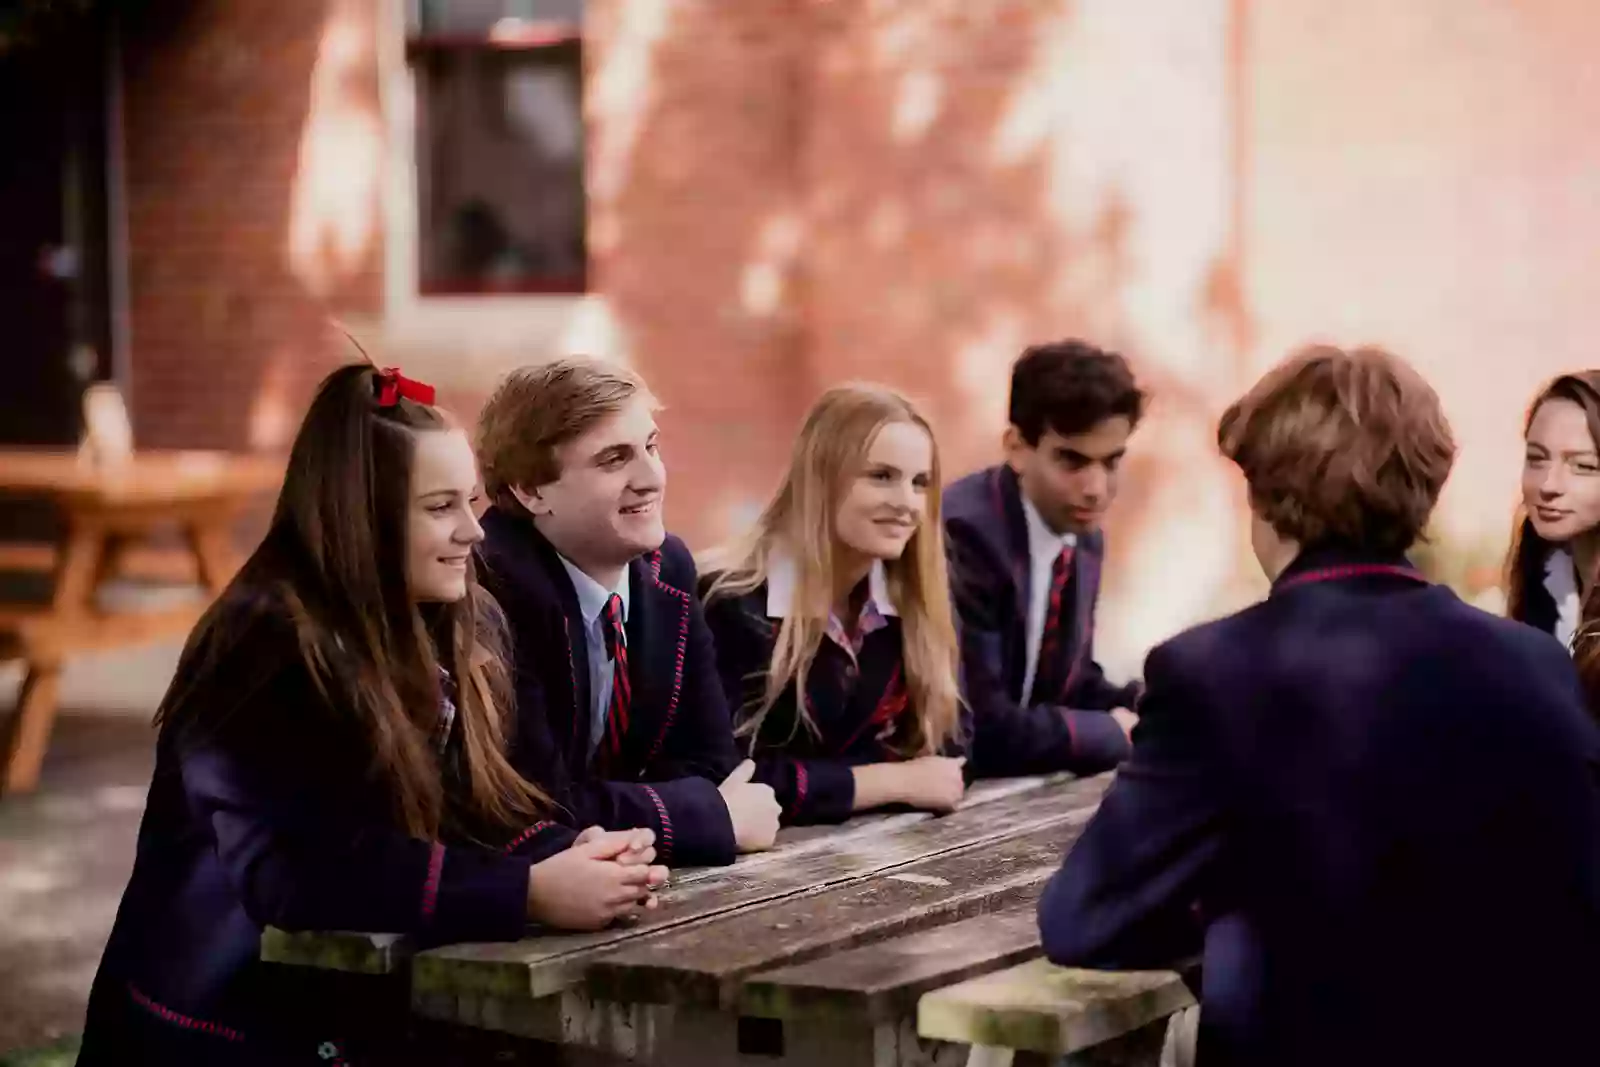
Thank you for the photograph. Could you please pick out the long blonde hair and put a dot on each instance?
(799, 522)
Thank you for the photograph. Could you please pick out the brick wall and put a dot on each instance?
(787, 193)
(228, 332)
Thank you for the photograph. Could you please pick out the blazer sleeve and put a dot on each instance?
(807, 790)
(303, 848)
(1091, 690)
(1129, 893)
(1010, 738)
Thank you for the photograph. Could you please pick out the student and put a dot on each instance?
(1555, 550)
(840, 593)
(1360, 796)
(619, 707)
(1026, 548)
(330, 757)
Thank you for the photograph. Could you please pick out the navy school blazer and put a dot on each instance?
(679, 744)
(1359, 798)
(987, 537)
(270, 814)
(857, 710)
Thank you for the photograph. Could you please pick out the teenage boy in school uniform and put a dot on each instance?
(1025, 551)
(1359, 798)
(619, 706)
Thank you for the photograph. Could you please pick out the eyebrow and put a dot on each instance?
(1073, 453)
(621, 449)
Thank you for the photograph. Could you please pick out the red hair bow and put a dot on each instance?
(392, 385)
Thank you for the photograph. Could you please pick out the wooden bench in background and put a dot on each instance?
(816, 953)
(109, 516)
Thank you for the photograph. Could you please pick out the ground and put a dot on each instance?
(66, 850)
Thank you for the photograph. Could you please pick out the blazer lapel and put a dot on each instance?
(1007, 496)
(533, 563)
(658, 635)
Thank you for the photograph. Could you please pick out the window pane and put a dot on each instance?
(501, 170)
(478, 17)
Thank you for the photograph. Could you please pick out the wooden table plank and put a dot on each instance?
(541, 966)
(1039, 1007)
(796, 840)
(384, 953)
(881, 982)
(704, 964)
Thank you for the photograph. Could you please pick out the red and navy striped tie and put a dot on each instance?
(617, 649)
(1047, 676)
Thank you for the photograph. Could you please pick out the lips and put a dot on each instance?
(454, 561)
(1550, 514)
(644, 508)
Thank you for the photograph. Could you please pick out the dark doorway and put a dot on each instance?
(54, 302)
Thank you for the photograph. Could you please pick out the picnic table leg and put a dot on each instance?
(29, 731)
(212, 544)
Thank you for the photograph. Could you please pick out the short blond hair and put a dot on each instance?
(535, 410)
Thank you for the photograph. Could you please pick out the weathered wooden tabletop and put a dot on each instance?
(817, 950)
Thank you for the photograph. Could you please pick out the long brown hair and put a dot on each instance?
(798, 521)
(334, 561)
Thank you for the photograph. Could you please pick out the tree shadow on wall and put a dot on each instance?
(866, 156)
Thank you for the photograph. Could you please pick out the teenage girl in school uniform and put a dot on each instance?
(841, 594)
(331, 757)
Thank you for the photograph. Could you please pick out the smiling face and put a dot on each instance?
(441, 527)
(1071, 479)
(885, 501)
(1561, 472)
(605, 508)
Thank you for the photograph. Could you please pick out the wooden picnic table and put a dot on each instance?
(816, 952)
(109, 515)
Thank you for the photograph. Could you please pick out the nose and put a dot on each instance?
(1095, 479)
(649, 475)
(907, 496)
(1553, 482)
(470, 532)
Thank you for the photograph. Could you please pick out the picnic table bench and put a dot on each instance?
(109, 514)
(815, 952)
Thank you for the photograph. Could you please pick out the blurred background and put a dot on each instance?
(202, 202)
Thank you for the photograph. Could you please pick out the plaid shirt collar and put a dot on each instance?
(783, 579)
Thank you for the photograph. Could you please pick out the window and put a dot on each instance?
(499, 136)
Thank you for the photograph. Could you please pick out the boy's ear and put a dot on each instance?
(1014, 447)
(532, 500)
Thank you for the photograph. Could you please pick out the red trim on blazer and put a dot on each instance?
(802, 782)
(1349, 570)
(683, 648)
(188, 1022)
(529, 834)
(666, 821)
(890, 705)
(430, 888)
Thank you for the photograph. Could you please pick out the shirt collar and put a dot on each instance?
(592, 596)
(1043, 542)
(1561, 582)
(782, 577)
